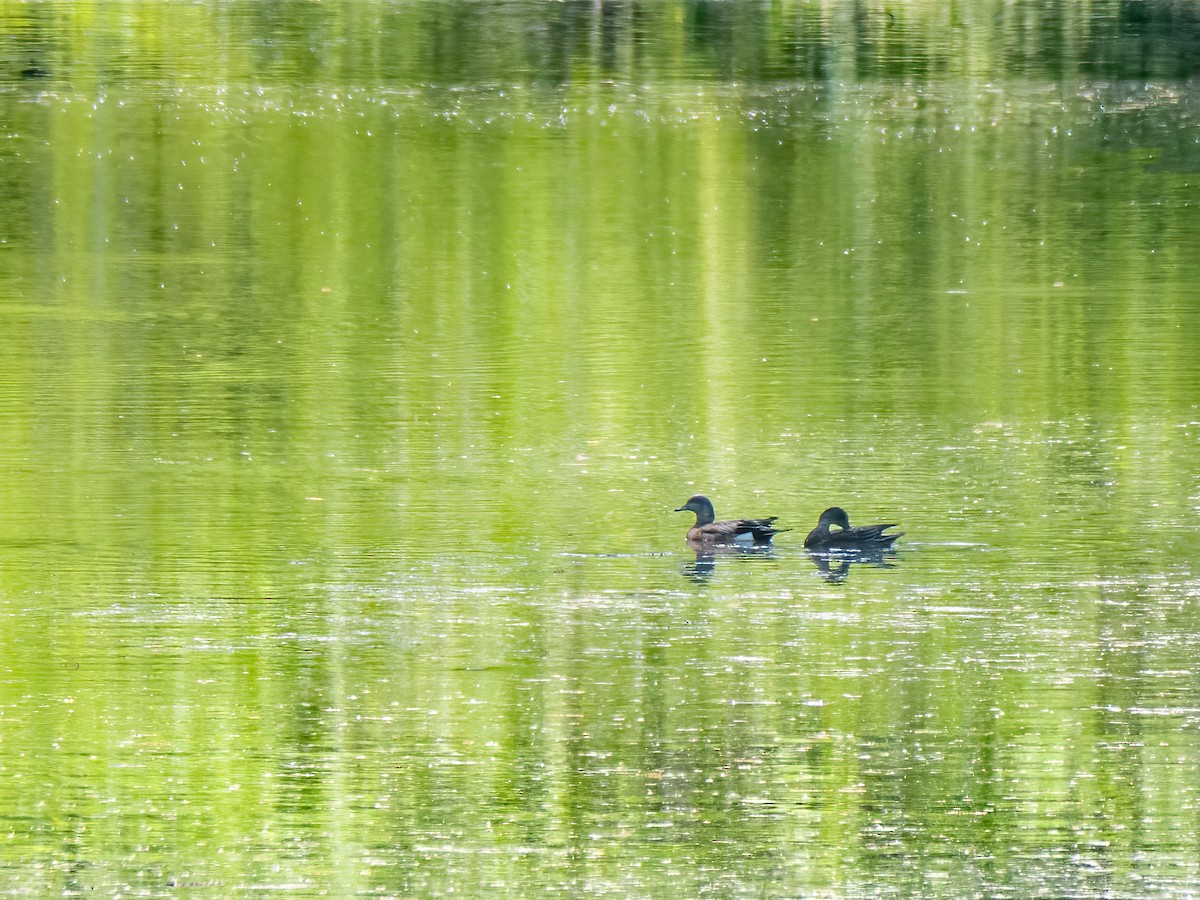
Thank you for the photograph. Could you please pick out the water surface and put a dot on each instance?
(357, 356)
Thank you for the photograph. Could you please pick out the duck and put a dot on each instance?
(744, 532)
(858, 537)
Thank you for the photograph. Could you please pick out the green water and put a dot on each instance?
(356, 355)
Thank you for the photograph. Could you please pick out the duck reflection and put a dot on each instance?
(705, 565)
(834, 565)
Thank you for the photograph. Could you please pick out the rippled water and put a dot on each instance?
(356, 358)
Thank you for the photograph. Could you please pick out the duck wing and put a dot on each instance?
(870, 534)
(733, 530)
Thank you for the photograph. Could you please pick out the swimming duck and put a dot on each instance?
(754, 532)
(860, 537)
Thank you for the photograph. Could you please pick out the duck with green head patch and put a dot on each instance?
(834, 532)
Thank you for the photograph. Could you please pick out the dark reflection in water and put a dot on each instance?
(452, 44)
(705, 564)
(834, 566)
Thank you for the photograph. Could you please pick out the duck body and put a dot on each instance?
(740, 532)
(846, 536)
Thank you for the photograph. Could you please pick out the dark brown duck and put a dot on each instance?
(847, 537)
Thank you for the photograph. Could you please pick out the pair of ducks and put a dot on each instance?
(758, 532)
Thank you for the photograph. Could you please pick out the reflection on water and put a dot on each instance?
(354, 352)
(834, 565)
(705, 564)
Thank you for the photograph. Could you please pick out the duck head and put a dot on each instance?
(835, 515)
(702, 507)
